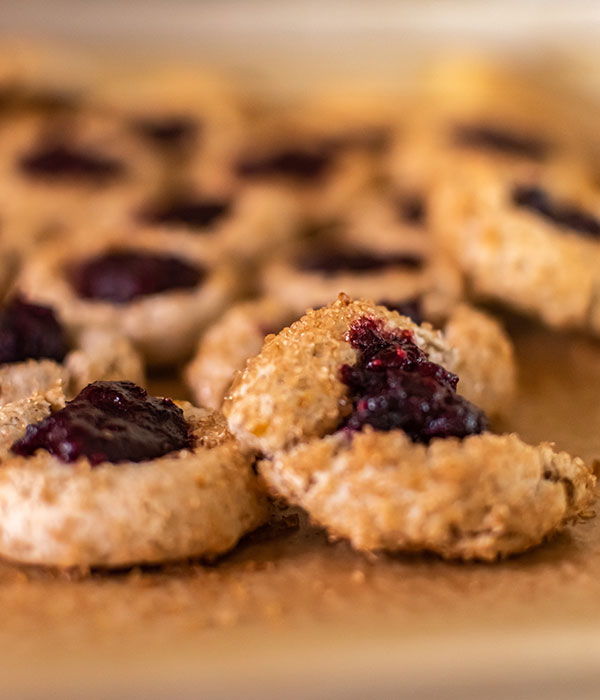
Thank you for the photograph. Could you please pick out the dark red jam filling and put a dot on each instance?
(292, 163)
(121, 276)
(109, 422)
(64, 162)
(192, 212)
(394, 385)
(332, 261)
(167, 132)
(501, 140)
(413, 308)
(537, 200)
(29, 331)
(411, 209)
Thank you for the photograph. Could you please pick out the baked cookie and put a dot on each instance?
(350, 255)
(322, 174)
(473, 113)
(355, 399)
(226, 346)
(484, 356)
(152, 289)
(531, 240)
(119, 478)
(37, 352)
(239, 225)
(66, 170)
(184, 114)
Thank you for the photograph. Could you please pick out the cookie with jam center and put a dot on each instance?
(484, 353)
(153, 289)
(65, 171)
(117, 478)
(37, 352)
(360, 419)
(531, 241)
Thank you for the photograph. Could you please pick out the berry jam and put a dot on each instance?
(537, 200)
(109, 422)
(332, 261)
(30, 331)
(411, 209)
(63, 162)
(413, 308)
(121, 276)
(166, 132)
(394, 385)
(293, 163)
(194, 213)
(501, 140)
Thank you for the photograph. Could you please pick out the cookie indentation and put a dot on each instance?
(109, 422)
(332, 261)
(495, 138)
(395, 386)
(122, 276)
(537, 200)
(411, 209)
(292, 163)
(166, 132)
(64, 162)
(193, 213)
(30, 331)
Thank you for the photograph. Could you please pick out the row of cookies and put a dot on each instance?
(154, 291)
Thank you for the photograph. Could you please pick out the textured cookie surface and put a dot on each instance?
(190, 503)
(292, 391)
(480, 498)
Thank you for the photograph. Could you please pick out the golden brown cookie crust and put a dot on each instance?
(291, 392)
(229, 343)
(191, 503)
(484, 354)
(484, 497)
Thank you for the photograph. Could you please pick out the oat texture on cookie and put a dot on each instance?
(118, 477)
(360, 409)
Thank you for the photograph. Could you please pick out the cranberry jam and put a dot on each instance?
(122, 276)
(538, 201)
(394, 385)
(192, 212)
(109, 422)
(495, 138)
(30, 331)
(63, 162)
(331, 261)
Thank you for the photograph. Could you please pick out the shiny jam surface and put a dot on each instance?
(394, 385)
(109, 422)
